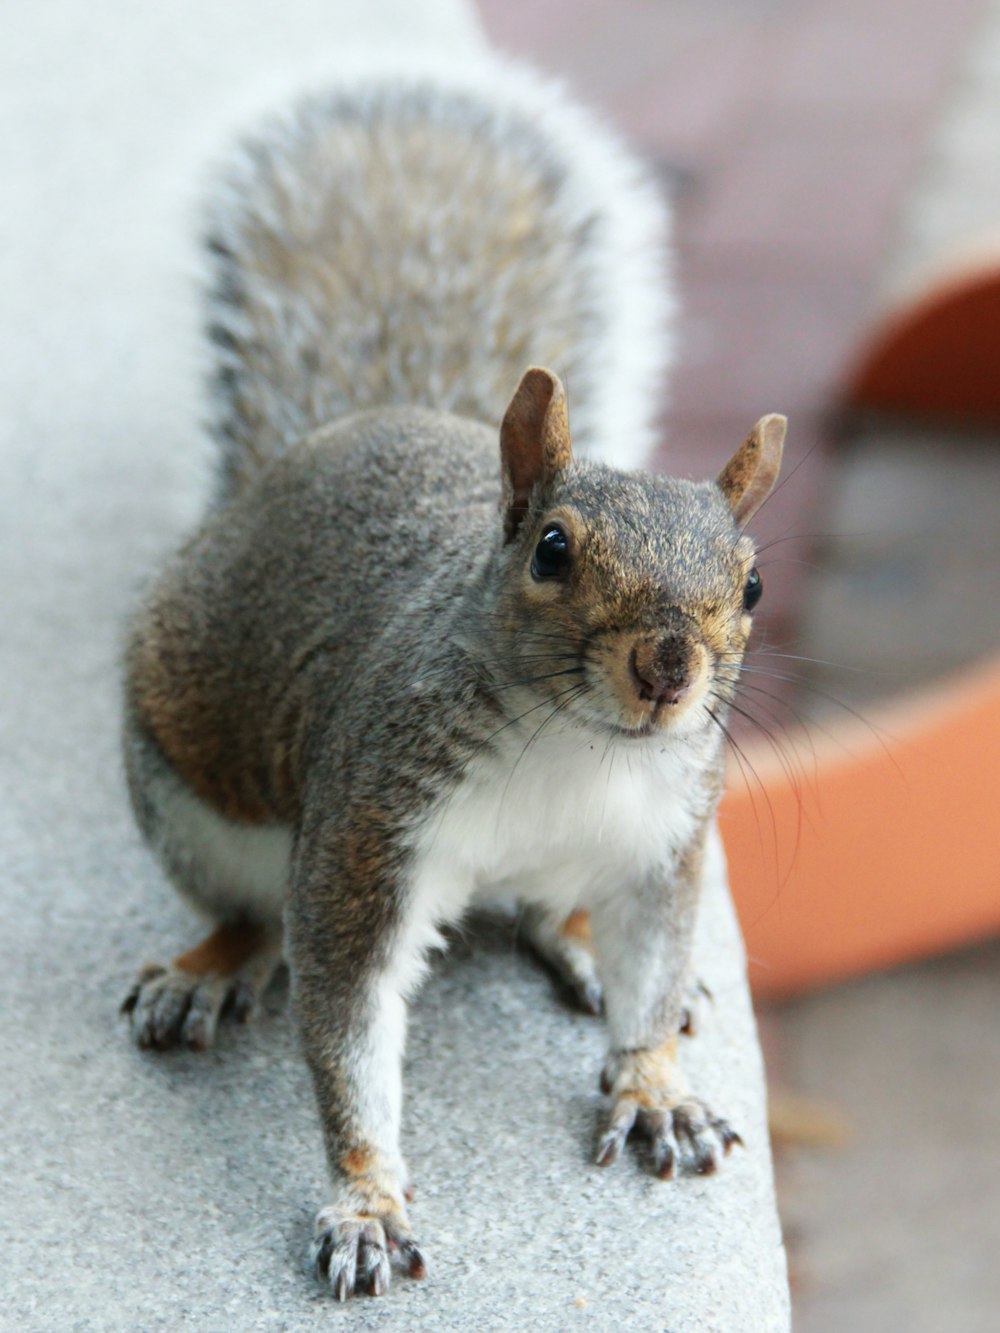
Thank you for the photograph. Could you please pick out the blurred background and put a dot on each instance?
(835, 170)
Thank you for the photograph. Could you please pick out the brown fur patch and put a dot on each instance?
(179, 700)
(358, 1161)
(748, 477)
(371, 1181)
(224, 952)
(646, 1076)
(736, 476)
(367, 854)
(577, 927)
(534, 441)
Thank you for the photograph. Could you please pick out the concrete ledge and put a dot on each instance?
(178, 1193)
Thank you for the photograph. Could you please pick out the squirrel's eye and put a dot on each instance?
(551, 558)
(752, 591)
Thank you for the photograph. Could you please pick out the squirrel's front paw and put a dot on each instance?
(352, 1251)
(649, 1097)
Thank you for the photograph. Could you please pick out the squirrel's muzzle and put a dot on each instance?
(655, 677)
(664, 669)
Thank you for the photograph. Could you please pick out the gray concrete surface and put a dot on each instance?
(899, 1228)
(151, 1193)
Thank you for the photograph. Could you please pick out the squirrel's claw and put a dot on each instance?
(175, 1007)
(687, 1137)
(168, 1008)
(622, 1121)
(694, 1003)
(352, 1253)
(666, 1153)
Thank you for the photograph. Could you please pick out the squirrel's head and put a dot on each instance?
(627, 599)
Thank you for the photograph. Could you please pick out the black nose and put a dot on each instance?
(663, 676)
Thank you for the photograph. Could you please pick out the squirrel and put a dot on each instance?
(390, 673)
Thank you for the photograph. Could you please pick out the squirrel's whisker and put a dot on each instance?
(567, 696)
(534, 709)
(535, 680)
(745, 767)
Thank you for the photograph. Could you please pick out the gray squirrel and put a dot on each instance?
(389, 673)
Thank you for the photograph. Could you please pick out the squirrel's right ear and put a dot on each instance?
(748, 478)
(534, 442)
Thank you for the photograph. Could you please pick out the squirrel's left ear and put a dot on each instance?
(534, 442)
(748, 477)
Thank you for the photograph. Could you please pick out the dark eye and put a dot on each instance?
(551, 558)
(752, 591)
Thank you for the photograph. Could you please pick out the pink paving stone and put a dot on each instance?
(813, 187)
(757, 343)
(626, 57)
(893, 55)
(688, 106)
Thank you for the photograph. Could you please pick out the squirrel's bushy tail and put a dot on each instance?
(422, 239)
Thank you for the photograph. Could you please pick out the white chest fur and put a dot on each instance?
(562, 821)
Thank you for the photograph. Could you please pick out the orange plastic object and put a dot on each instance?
(886, 847)
(937, 352)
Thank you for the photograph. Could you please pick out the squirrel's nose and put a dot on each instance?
(664, 677)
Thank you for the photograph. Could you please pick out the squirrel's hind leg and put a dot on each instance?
(235, 874)
(227, 973)
(565, 947)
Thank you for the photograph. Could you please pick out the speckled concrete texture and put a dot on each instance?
(177, 1193)
(160, 1193)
